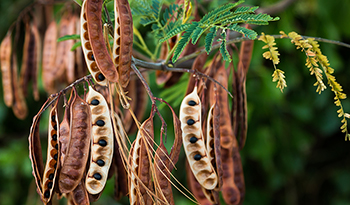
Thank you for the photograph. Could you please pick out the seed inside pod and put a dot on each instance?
(190, 122)
(193, 139)
(53, 118)
(55, 156)
(95, 102)
(192, 103)
(92, 57)
(56, 146)
(51, 176)
(100, 123)
(101, 77)
(197, 157)
(103, 143)
(97, 176)
(49, 185)
(100, 162)
(47, 194)
(54, 137)
(55, 127)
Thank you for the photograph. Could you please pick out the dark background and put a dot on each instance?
(295, 152)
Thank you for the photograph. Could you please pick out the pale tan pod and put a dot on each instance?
(87, 50)
(101, 142)
(52, 160)
(197, 156)
(133, 161)
(70, 58)
(5, 59)
(49, 57)
(210, 135)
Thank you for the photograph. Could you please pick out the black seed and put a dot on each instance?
(197, 157)
(49, 185)
(95, 102)
(51, 176)
(55, 165)
(92, 57)
(56, 146)
(53, 118)
(193, 139)
(192, 103)
(102, 143)
(47, 194)
(55, 156)
(100, 123)
(101, 76)
(190, 122)
(97, 176)
(54, 137)
(100, 162)
(55, 127)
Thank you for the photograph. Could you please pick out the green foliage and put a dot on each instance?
(69, 37)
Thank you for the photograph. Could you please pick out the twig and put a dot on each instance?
(148, 89)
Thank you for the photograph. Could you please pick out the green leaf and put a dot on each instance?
(210, 38)
(217, 12)
(251, 34)
(174, 32)
(76, 45)
(69, 37)
(184, 40)
(223, 50)
(196, 34)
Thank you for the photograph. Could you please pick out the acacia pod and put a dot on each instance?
(98, 46)
(133, 170)
(79, 195)
(53, 155)
(193, 142)
(101, 142)
(238, 173)
(70, 56)
(87, 50)
(121, 177)
(73, 167)
(123, 38)
(198, 64)
(19, 106)
(49, 57)
(80, 64)
(162, 173)
(176, 148)
(5, 60)
(36, 59)
(26, 67)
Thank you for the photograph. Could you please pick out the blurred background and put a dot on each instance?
(295, 152)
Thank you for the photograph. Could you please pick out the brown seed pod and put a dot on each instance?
(102, 142)
(70, 56)
(121, 177)
(76, 158)
(98, 46)
(36, 59)
(86, 46)
(19, 106)
(123, 38)
(190, 117)
(238, 173)
(5, 60)
(79, 195)
(49, 57)
(53, 155)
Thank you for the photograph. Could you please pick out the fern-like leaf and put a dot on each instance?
(196, 34)
(223, 50)
(278, 75)
(184, 40)
(216, 12)
(209, 39)
(174, 32)
(251, 34)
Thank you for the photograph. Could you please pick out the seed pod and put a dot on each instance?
(19, 106)
(5, 60)
(49, 57)
(36, 59)
(238, 173)
(53, 155)
(80, 195)
(102, 142)
(190, 117)
(70, 56)
(123, 38)
(98, 46)
(121, 177)
(77, 154)
(86, 46)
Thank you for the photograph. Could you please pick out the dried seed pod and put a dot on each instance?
(80, 195)
(121, 177)
(70, 56)
(86, 46)
(102, 142)
(19, 106)
(190, 117)
(238, 173)
(49, 57)
(123, 38)
(77, 154)
(36, 59)
(5, 60)
(53, 155)
(98, 46)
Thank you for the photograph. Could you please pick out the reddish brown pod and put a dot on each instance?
(76, 158)
(123, 38)
(98, 46)
(5, 59)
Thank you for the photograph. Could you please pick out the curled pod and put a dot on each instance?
(87, 50)
(123, 38)
(99, 49)
(53, 155)
(76, 158)
(193, 142)
(49, 57)
(6, 73)
(101, 142)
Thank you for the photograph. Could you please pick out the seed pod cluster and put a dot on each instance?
(190, 117)
(102, 142)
